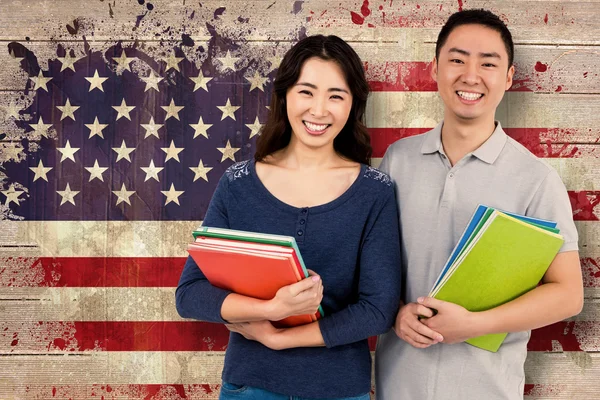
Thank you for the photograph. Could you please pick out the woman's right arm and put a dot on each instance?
(196, 298)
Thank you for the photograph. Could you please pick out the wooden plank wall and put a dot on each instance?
(49, 345)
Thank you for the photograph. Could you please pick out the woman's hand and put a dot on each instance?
(299, 298)
(260, 331)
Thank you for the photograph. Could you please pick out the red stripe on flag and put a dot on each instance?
(584, 205)
(158, 272)
(544, 390)
(381, 138)
(543, 142)
(91, 271)
(58, 336)
(560, 332)
(415, 76)
(590, 268)
(179, 391)
(400, 77)
(132, 391)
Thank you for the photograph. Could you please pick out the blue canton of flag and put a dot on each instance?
(108, 143)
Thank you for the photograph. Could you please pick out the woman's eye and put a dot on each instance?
(336, 97)
(305, 92)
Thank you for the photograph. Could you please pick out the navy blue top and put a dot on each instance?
(352, 242)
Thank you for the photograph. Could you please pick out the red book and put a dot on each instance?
(251, 269)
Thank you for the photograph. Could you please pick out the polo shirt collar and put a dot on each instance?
(490, 149)
(488, 152)
(433, 140)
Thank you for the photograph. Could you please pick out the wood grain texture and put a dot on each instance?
(145, 368)
(138, 304)
(552, 109)
(531, 22)
(32, 239)
(517, 110)
(540, 69)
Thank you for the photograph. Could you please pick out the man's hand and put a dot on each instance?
(409, 328)
(454, 322)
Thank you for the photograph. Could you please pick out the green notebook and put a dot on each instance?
(503, 259)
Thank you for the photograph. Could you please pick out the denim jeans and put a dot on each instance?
(230, 391)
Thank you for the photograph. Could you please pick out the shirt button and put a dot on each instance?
(300, 233)
(302, 221)
(451, 175)
(304, 211)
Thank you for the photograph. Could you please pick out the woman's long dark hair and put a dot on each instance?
(353, 142)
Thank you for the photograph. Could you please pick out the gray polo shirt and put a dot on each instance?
(436, 201)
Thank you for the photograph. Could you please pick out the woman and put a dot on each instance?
(310, 178)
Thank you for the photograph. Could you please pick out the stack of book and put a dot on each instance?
(251, 264)
(499, 257)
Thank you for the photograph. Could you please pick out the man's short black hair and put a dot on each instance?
(476, 17)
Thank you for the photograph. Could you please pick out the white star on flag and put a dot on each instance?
(96, 81)
(151, 128)
(201, 128)
(68, 110)
(12, 195)
(96, 128)
(40, 171)
(152, 171)
(152, 81)
(68, 152)
(228, 62)
(200, 81)
(228, 110)
(257, 82)
(228, 152)
(255, 128)
(172, 62)
(123, 110)
(123, 62)
(96, 171)
(40, 81)
(68, 62)
(200, 171)
(172, 152)
(172, 110)
(123, 151)
(41, 127)
(67, 195)
(172, 195)
(123, 195)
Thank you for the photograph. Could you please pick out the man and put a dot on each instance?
(441, 176)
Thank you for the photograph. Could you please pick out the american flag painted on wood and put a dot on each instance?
(118, 118)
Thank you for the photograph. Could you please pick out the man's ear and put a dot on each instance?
(434, 67)
(509, 77)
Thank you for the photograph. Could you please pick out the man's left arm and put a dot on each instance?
(559, 296)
